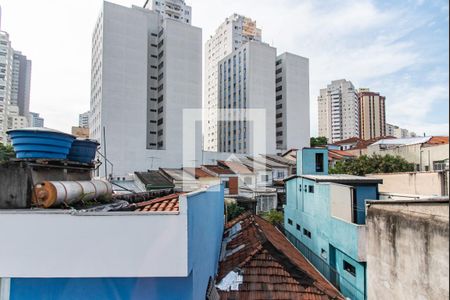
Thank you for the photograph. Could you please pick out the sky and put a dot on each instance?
(398, 48)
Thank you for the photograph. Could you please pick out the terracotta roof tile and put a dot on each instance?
(270, 266)
(219, 170)
(165, 204)
(438, 140)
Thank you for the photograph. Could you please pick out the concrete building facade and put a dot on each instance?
(326, 216)
(408, 250)
(173, 9)
(35, 120)
(83, 120)
(21, 83)
(292, 102)
(400, 133)
(146, 69)
(236, 31)
(372, 114)
(246, 81)
(338, 108)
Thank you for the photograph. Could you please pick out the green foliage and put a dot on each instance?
(234, 211)
(6, 152)
(274, 217)
(319, 141)
(372, 165)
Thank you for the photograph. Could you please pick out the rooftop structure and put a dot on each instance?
(258, 262)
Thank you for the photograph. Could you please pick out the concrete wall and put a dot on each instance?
(408, 250)
(164, 259)
(426, 184)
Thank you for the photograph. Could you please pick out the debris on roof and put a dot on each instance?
(265, 265)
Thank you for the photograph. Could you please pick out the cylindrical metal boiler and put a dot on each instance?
(55, 193)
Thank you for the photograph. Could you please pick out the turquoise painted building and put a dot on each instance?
(326, 214)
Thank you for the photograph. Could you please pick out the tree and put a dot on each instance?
(6, 152)
(319, 141)
(274, 217)
(372, 164)
(234, 211)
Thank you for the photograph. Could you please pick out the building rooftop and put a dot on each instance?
(219, 170)
(168, 203)
(403, 142)
(199, 173)
(258, 262)
(237, 167)
(178, 174)
(154, 179)
(339, 154)
(339, 178)
(281, 160)
(269, 162)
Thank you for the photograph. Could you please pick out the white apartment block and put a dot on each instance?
(246, 81)
(292, 102)
(338, 109)
(236, 31)
(173, 9)
(35, 120)
(83, 120)
(400, 133)
(146, 68)
(15, 120)
(6, 62)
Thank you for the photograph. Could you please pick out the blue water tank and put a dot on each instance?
(40, 143)
(83, 151)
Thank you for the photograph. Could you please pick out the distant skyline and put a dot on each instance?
(399, 49)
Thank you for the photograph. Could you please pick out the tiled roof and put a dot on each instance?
(281, 160)
(338, 154)
(219, 170)
(348, 141)
(199, 173)
(438, 140)
(260, 263)
(165, 204)
(236, 167)
(178, 174)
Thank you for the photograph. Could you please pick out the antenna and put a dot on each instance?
(146, 2)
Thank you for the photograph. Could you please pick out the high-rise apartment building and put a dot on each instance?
(246, 81)
(146, 69)
(292, 102)
(236, 31)
(6, 57)
(15, 76)
(372, 114)
(21, 83)
(35, 120)
(338, 108)
(173, 9)
(83, 120)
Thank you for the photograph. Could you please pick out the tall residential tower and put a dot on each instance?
(372, 107)
(338, 109)
(236, 31)
(146, 69)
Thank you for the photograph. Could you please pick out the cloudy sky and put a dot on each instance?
(399, 48)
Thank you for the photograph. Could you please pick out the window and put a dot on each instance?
(227, 184)
(298, 227)
(306, 233)
(280, 88)
(160, 99)
(300, 188)
(350, 268)
(160, 121)
(290, 222)
(279, 80)
(154, 34)
(311, 189)
(319, 162)
(324, 254)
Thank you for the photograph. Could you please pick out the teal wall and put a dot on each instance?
(311, 211)
(306, 161)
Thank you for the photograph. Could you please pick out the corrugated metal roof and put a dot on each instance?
(342, 178)
(154, 179)
(403, 142)
(265, 265)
